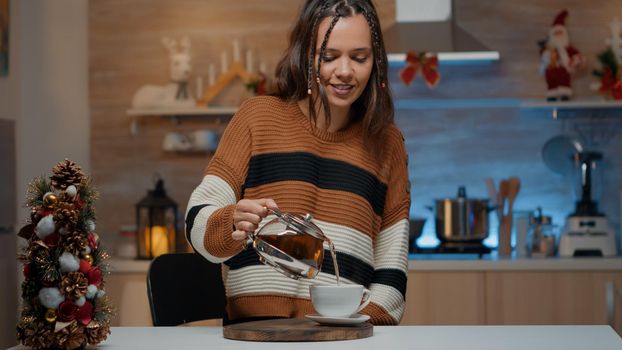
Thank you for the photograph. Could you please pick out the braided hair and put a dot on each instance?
(296, 74)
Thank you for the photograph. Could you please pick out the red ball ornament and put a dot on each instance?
(85, 266)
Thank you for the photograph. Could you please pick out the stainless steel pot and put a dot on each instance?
(461, 219)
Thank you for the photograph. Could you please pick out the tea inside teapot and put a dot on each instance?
(293, 245)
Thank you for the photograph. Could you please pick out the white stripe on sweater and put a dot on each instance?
(392, 247)
(261, 279)
(216, 193)
(388, 298)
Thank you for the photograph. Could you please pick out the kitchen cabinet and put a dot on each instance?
(445, 298)
(552, 298)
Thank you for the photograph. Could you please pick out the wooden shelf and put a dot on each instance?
(181, 111)
(176, 113)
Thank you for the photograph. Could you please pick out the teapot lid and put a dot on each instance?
(303, 224)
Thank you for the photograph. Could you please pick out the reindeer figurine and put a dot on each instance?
(174, 94)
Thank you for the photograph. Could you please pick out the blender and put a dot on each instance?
(587, 231)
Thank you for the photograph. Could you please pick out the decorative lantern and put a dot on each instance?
(156, 220)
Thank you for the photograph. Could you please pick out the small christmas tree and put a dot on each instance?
(64, 304)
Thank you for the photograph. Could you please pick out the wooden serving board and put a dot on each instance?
(295, 329)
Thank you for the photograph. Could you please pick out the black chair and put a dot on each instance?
(184, 288)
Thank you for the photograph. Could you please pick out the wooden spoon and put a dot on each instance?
(504, 190)
(513, 189)
(505, 247)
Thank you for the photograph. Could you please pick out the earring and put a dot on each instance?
(383, 85)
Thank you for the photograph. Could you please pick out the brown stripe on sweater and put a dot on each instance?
(218, 245)
(379, 316)
(268, 305)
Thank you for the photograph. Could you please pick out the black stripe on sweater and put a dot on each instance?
(192, 214)
(392, 277)
(322, 172)
(350, 268)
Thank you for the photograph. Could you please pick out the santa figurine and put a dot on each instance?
(559, 60)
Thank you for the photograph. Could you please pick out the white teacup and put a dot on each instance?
(339, 300)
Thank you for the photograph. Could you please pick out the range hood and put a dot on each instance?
(428, 25)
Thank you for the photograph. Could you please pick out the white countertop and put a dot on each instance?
(393, 338)
(453, 262)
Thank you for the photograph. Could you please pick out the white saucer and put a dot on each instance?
(352, 320)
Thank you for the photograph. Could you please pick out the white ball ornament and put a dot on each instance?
(80, 301)
(68, 263)
(86, 251)
(90, 225)
(91, 291)
(45, 227)
(50, 297)
(100, 293)
(71, 191)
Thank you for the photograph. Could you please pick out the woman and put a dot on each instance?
(324, 144)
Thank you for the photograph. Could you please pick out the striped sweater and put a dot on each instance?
(270, 149)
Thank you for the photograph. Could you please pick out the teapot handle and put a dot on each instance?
(249, 241)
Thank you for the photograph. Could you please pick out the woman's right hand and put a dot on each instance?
(248, 214)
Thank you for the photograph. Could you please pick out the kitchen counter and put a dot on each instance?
(395, 338)
(457, 262)
(454, 262)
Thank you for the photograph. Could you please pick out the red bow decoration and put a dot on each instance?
(427, 62)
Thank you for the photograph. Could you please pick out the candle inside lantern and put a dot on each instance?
(157, 242)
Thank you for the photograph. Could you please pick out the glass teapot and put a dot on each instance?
(291, 244)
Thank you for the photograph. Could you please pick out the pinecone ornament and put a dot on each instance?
(29, 289)
(35, 334)
(65, 174)
(75, 242)
(66, 215)
(97, 333)
(74, 285)
(71, 337)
